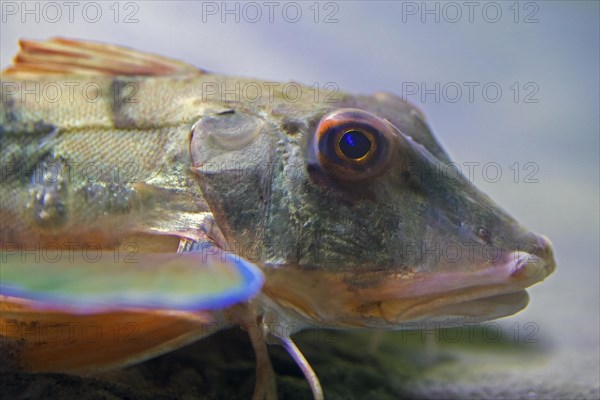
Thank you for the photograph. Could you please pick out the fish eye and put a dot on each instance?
(353, 145)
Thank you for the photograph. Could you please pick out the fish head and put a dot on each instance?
(359, 218)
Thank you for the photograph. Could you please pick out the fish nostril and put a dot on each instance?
(540, 246)
(535, 245)
(544, 247)
(484, 234)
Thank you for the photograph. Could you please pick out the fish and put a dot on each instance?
(145, 192)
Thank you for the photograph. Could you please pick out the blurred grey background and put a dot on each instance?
(543, 55)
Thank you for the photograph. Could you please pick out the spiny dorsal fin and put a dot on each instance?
(59, 56)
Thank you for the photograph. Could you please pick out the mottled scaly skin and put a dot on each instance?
(104, 164)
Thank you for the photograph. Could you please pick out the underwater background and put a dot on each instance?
(513, 86)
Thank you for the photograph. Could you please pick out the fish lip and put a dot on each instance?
(531, 267)
(466, 305)
(495, 291)
(517, 269)
(496, 306)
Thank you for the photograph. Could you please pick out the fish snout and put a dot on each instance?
(545, 251)
(536, 263)
(544, 247)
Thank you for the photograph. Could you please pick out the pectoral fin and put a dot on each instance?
(43, 341)
(85, 316)
(191, 281)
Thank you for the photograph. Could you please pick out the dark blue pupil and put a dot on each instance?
(355, 144)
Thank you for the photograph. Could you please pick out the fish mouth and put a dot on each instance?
(494, 291)
(446, 296)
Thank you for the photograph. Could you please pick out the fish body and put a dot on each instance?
(344, 203)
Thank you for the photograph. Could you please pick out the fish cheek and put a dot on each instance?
(357, 229)
(231, 158)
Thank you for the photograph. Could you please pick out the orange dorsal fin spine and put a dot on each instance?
(60, 57)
